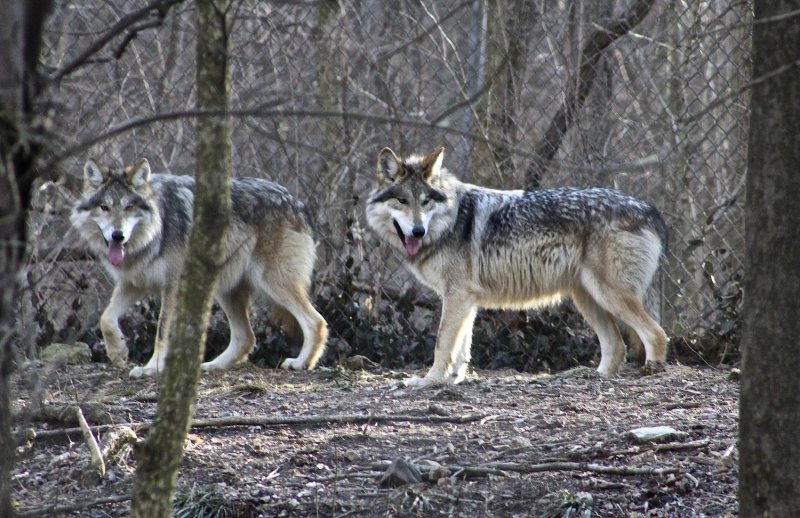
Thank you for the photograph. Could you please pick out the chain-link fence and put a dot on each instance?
(648, 97)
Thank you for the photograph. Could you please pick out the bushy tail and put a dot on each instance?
(289, 324)
(657, 223)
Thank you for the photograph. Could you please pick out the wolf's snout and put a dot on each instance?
(418, 231)
(118, 236)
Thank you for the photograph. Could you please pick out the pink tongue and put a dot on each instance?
(413, 244)
(116, 253)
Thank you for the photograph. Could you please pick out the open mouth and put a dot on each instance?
(412, 244)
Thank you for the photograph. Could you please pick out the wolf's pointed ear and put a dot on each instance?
(138, 175)
(388, 164)
(432, 164)
(94, 174)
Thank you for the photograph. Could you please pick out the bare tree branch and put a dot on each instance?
(424, 33)
(592, 52)
(722, 99)
(264, 111)
(126, 23)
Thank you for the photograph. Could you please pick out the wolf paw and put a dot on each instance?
(141, 372)
(211, 366)
(421, 383)
(295, 364)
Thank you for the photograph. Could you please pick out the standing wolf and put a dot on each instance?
(485, 248)
(139, 222)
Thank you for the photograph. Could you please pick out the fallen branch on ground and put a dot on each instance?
(300, 420)
(69, 508)
(502, 468)
(97, 466)
(672, 446)
(578, 466)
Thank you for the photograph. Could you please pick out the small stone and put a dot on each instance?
(70, 354)
(399, 473)
(520, 442)
(437, 410)
(655, 434)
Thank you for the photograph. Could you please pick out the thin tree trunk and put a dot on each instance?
(508, 43)
(161, 454)
(769, 483)
(20, 40)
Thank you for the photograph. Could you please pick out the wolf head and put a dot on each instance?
(412, 199)
(117, 214)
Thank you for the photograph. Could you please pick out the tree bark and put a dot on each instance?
(20, 42)
(769, 483)
(161, 454)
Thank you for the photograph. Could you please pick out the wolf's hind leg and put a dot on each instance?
(628, 307)
(612, 349)
(635, 346)
(123, 297)
(236, 305)
(295, 300)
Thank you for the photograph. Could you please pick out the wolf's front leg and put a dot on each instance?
(453, 343)
(122, 299)
(158, 361)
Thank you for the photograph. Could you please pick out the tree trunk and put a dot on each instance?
(20, 39)
(769, 483)
(161, 454)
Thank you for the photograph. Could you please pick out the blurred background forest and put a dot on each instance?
(648, 97)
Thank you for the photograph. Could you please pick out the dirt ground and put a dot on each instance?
(275, 443)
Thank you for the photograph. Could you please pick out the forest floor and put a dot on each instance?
(273, 443)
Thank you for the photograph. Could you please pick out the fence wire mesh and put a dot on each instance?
(648, 97)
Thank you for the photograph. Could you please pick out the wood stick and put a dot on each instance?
(303, 420)
(97, 457)
(501, 467)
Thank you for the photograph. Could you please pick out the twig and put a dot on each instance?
(579, 466)
(478, 471)
(675, 446)
(383, 56)
(307, 420)
(125, 23)
(97, 463)
(735, 93)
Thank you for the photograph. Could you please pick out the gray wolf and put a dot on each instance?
(485, 248)
(138, 223)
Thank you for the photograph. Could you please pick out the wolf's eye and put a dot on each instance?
(104, 208)
(130, 207)
(426, 201)
(402, 201)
